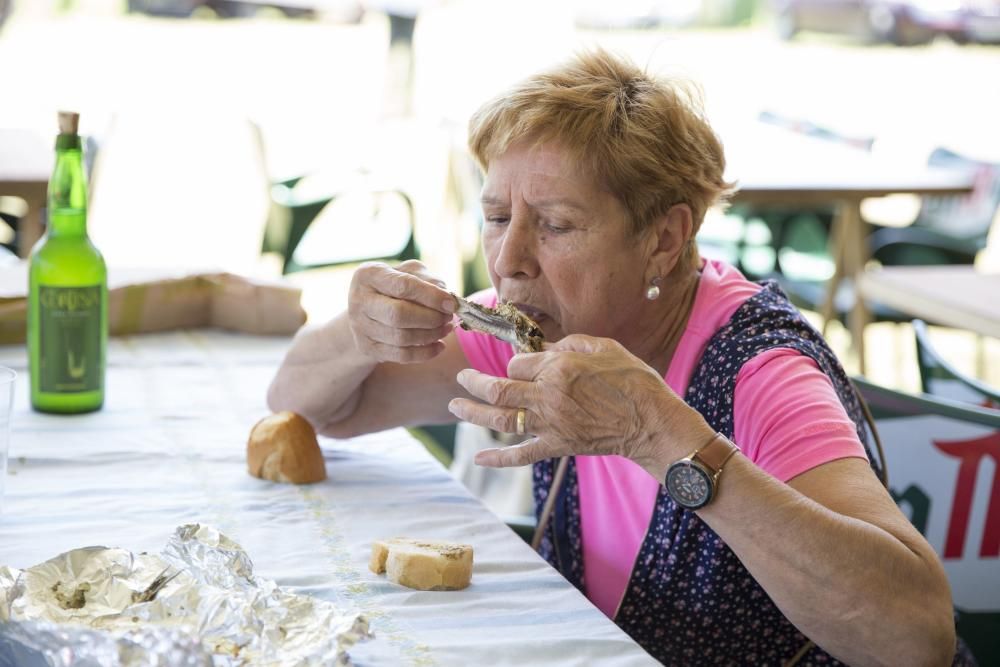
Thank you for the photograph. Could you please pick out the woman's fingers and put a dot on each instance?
(399, 314)
(584, 343)
(503, 419)
(403, 337)
(497, 391)
(405, 355)
(528, 452)
(570, 349)
(417, 268)
(396, 312)
(526, 366)
(410, 285)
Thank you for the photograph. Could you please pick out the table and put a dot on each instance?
(25, 166)
(960, 297)
(776, 167)
(169, 449)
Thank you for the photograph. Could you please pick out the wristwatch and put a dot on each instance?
(693, 481)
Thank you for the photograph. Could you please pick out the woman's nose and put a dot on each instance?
(516, 256)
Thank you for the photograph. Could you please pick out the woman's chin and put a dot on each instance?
(551, 329)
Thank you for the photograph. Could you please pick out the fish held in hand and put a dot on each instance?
(505, 322)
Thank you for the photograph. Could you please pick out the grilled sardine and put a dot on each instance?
(504, 322)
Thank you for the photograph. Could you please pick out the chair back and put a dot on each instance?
(349, 222)
(940, 378)
(943, 459)
(963, 216)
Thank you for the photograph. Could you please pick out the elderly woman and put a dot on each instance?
(719, 503)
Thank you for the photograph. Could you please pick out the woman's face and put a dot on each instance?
(559, 247)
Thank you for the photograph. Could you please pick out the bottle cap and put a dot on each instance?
(69, 122)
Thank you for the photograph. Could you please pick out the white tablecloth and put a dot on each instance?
(169, 448)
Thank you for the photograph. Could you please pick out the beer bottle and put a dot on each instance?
(67, 292)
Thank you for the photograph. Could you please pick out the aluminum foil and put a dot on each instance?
(87, 607)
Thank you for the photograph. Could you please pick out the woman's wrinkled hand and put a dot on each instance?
(399, 314)
(581, 395)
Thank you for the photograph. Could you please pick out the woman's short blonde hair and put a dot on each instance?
(645, 139)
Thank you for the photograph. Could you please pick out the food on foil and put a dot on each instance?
(423, 564)
(196, 603)
(155, 586)
(74, 600)
(283, 448)
(505, 322)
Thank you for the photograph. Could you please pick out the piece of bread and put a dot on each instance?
(423, 564)
(283, 448)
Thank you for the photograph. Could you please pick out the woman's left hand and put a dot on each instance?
(581, 395)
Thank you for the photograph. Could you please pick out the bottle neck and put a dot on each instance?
(67, 205)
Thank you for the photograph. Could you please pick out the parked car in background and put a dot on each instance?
(902, 22)
(345, 10)
(6, 6)
(625, 14)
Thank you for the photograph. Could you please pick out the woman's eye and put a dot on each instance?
(497, 219)
(556, 228)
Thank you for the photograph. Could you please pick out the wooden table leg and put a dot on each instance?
(855, 258)
(850, 252)
(837, 237)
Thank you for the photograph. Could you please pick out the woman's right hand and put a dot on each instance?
(399, 314)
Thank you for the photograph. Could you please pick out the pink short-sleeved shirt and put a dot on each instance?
(787, 419)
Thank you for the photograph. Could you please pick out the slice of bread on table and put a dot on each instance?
(425, 565)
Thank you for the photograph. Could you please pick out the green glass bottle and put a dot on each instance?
(67, 292)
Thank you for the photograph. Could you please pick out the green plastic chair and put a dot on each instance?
(300, 208)
(438, 439)
(948, 229)
(940, 378)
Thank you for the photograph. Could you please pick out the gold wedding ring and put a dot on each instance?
(520, 421)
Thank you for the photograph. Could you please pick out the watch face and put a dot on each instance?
(689, 485)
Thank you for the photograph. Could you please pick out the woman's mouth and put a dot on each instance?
(534, 313)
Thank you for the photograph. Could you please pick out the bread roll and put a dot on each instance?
(423, 564)
(283, 448)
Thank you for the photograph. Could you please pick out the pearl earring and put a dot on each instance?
(653, 292)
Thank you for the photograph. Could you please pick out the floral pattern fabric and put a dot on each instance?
(689, 599)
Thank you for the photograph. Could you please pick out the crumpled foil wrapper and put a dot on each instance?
(79, 609)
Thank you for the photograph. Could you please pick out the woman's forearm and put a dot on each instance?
(321, 375)
(862, 593)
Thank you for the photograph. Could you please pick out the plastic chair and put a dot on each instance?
(314, 224)
(935, 448)
(940, 378)
(803, 264)
(336, 216)
(948, 229)
(438, 439)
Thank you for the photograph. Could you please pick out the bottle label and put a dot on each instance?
(69, 339)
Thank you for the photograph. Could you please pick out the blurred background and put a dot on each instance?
(242, 134)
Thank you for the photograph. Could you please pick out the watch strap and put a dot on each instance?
(716, 452)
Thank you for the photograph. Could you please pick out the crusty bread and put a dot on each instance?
(423, 564)
(283, 448)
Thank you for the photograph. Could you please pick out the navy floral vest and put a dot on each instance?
(689, 599)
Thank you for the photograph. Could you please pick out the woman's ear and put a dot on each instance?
(672, 233)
